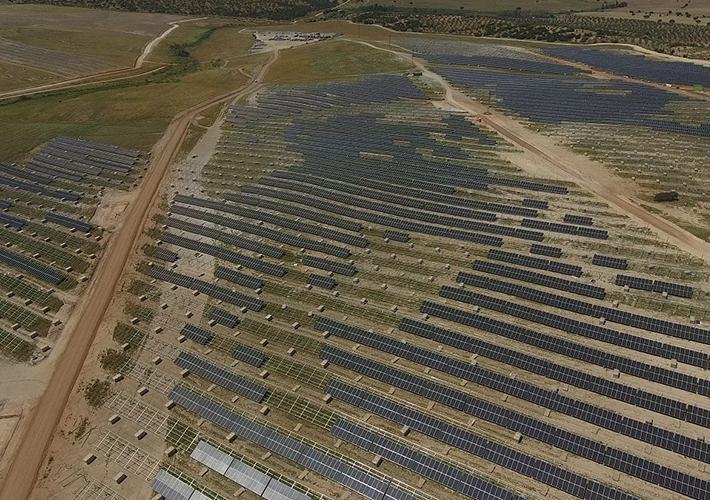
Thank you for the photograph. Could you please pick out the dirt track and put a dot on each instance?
(83, 325)
(563, 163)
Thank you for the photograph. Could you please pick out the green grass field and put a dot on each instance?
(331, 60)
(13, 76)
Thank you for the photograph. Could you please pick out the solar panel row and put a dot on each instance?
(574, 287)
(224, 254)
(321, 281)
(556, 227)
(243, 279)
(30, 266)
(329, 265)
(546, 250)
(218, 292)
(261, 215)
(643, 469)
(243, 474)
(376, 218)
(535, 262)
(63, 220)
(272, 234)
(310, 458)
(223, 378)
(695, 448)
(658, 286)
(222, 317)
(613, 262)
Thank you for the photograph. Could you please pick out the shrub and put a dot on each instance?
(97, 392)
(666, 196)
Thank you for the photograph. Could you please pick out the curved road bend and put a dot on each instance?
(84, 323)
(568, 165)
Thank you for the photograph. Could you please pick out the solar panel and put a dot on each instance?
(165, 254)
(171, 487)
(329, 265)
(578, 220)
(223, 317)
(613, 262)
(546, 250)
(321, 281)
(63, 220)
(30, 266)
(396, 236)
(239, 278)
(249, 355)
(196, 334)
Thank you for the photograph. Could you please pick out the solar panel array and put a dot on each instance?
(374, 194)
(574, 287)
(224, 254)
(375, 218)
(197, 334)
(165, 254)
(305, 456)
(464, 222)
(539, 204)
(608, 313)
(459, 438)
(243, 279)
(396, 236)
(30, 266)
(172, 487)
(578, 220)
(517, 422)
(523, 390)
(612, 262)
(272, 234)
(560, 99)
(636, 65)
(461, 482)
(231, 239)
(261, 215)
(222, 317)
(221, 377)
(218, 292)
(556, 227)
(336, 180)
(535, 262)
(63, 220)
(503, 63)
(290, 209)
(12, 221)
(695, 448)
(244, 475)
(649, 285)
(249, 355)
(329, 265)
(321, 281)
(546, 250)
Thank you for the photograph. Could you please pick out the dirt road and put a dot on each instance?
(561, 162)
(84, 323)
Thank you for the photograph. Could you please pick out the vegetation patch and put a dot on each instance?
(112, 360)
(97, 392)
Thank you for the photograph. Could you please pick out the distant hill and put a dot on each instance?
(267, 9)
